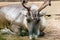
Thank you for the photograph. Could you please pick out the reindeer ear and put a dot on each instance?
(42, 13)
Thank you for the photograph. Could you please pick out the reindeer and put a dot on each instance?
(16, 20)
(35, 19)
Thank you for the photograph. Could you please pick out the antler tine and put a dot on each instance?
(49, 2)
(28, 8)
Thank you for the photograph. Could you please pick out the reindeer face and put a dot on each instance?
(33, 11)
(34, 14)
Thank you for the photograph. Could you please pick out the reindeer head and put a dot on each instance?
(33, 13)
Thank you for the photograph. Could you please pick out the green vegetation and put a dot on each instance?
(1, 38)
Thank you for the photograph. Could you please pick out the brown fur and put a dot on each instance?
(3, 21)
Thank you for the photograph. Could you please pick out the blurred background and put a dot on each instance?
(19, 0)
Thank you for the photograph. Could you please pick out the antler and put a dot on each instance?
(28, 8)
(45, 4)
